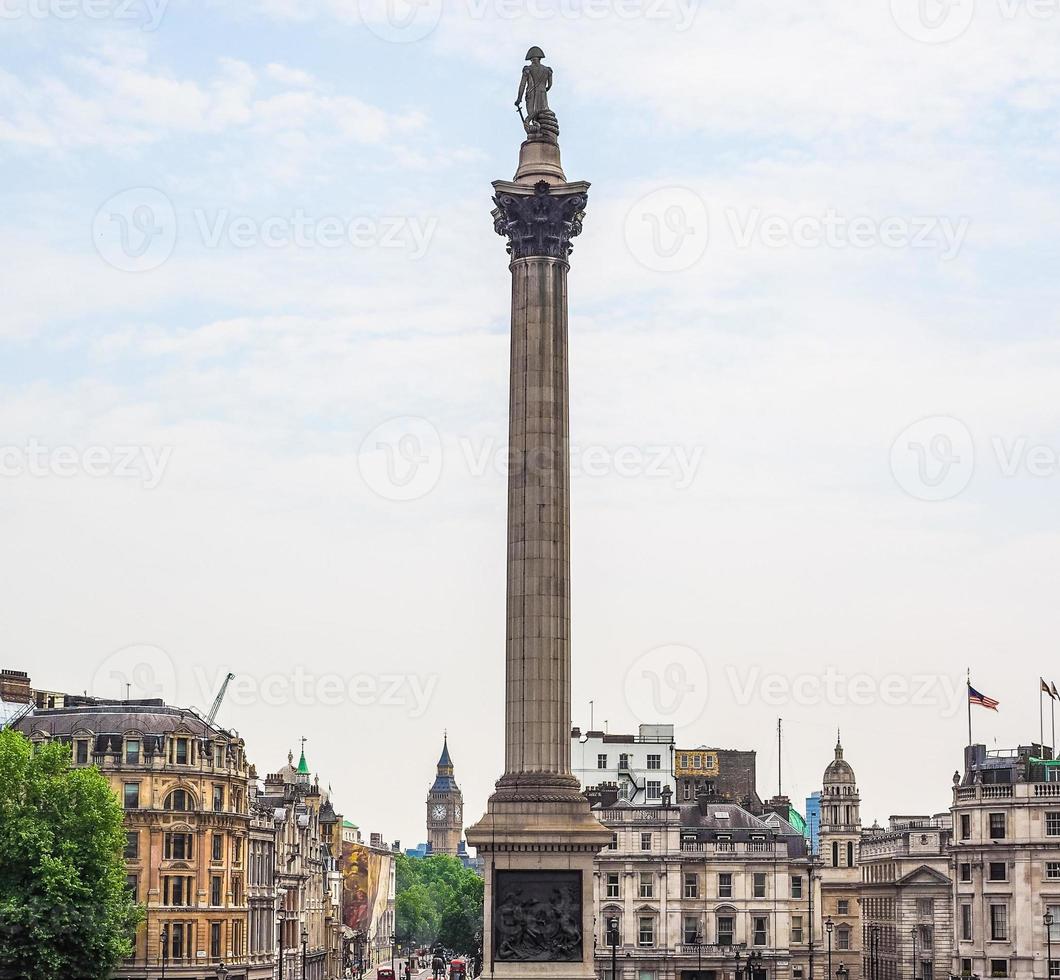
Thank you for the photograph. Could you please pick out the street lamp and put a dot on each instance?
(305, 949)
(222, 971)
(841, 972)
(829, 925)
(738, 973)
(612, 941)
(874, 949)
(163, 942)
(1048, 920)
(699, 952)
(913, 933)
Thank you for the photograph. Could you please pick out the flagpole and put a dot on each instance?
(1041, 716)
(968, 698)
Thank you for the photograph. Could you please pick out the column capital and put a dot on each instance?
(539, 220)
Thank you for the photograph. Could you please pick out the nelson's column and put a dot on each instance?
(538, 837)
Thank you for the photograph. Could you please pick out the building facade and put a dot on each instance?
(184, 786)
(906, 897)
(1006, 864)
(706, 890)
(640, 767)
(838, 878)
(727, 774)
(445, 809)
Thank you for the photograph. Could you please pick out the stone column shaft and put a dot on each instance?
(538, 606)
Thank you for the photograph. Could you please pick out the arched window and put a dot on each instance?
(850, 854)
(835, 854)
(179, 801)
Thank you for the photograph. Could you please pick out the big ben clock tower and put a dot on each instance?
(445, 809)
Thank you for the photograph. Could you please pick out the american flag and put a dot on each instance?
(974, 697)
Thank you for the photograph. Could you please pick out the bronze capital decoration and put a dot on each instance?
(537, 916)
(541, 224)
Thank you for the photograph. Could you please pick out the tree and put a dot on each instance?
(65, 910)
(439, 901)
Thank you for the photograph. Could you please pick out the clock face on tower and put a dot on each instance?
(438, 811)
(456, 813)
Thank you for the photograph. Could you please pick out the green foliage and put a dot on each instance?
(439, 900)
(64, 908)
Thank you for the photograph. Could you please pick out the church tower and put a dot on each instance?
(445, 809)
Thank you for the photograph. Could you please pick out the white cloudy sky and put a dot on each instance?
(247, 253)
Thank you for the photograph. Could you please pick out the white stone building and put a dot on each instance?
(641, 766)
(1006, 863)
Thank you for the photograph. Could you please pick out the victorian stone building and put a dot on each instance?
(191, 852)
(906, 897)
(705, 890)
(838, 879)
(1006, 863)
(309, 924)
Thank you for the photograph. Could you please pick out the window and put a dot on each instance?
(759, 933)
(796, 928)
(215, 940)
(759, 884)
(999, 923)
(132, 751)
(180, 751)
(623, 761)
(927, 970)
(966, 923)
(1054, 968)
(725, 885)
(218, 799)
(842, 907)
(1052, 869)
(237, 889)
(131, 796)
(691, 931)
(647, 885)
(176, 891)
(655, 762)
(1054, 929)
(726, 930)
(177, 847)
(796, 973)
(653, 789)
(179, 800)
(217, 853)
(215, 890)
(850, 854)
(132, 845)
(925, 907)
(966, 968)
(796, 886)
(613, 846)
(999, 968)
(691, 886)
(601, 762)
(645, 842)
(842, 937)
(132, 886)
(237, 851)
(81, 751)
(966, 872)
(966, 826)
(997, 829)
(646, 933)
(612, 886)
(1052, 823)
(998, 871)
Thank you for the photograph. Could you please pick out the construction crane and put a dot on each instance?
(220, 697)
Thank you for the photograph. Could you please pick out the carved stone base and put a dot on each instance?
(556, 838)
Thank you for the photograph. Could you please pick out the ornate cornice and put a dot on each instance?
(542, 223)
